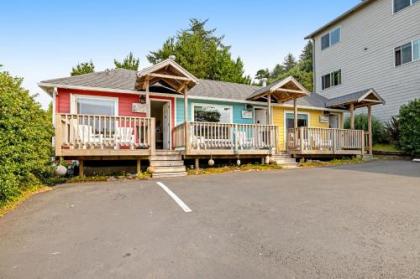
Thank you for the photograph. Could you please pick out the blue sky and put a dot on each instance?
(45, 39)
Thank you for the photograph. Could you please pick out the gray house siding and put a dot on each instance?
(365, 56)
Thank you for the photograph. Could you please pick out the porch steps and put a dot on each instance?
(167, 164)
(284, 160)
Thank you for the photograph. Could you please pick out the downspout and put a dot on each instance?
(313, 67)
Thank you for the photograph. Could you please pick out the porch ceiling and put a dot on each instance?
(168, 73)
(281, 91)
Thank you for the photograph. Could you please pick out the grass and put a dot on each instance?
(385, 148)
(225, 169)
(8, 206)
(335, 162)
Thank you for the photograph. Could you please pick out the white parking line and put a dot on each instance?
(174, 197)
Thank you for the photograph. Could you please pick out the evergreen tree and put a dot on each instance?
(289, 62)
(83, 68)
(305, 58)
(202, 53)
(129, 63)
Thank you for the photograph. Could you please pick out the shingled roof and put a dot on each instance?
(121, 79)
(361, 98)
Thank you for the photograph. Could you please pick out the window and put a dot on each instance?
(96, 106)
(331, 79)
(325, 41)
(290, 120)
(402, 4)
(212, 113)
(331, 38)
(407, 53)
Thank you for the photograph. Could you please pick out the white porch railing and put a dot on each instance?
(75, 131)
(321, 140)
(220, 136)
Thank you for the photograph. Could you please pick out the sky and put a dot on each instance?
(42, 40)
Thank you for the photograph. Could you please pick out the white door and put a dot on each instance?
(261, 116)
(333, 119)
(166, 126)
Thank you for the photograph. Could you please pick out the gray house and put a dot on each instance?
(376, 45)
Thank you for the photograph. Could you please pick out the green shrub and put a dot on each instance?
(361, 123)
(392, 129)
(410, 127)
(25, 138)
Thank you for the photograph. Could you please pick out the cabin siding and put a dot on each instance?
(365, 56)
(279, 120)
(237, 110)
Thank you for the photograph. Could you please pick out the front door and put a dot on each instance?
(261, 116)
(166, 126)
(333, 119)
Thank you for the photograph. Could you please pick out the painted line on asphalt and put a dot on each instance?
(174, 197)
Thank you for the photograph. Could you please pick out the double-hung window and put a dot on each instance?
(402, 4)
(331, 79)
(331, 38)
(407, 53)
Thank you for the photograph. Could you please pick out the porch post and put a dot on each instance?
(352, 116)
(186, 120)
(147, 97)
(270, 116)
(370, 129)
(295, 123)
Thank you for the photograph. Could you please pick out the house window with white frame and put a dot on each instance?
(402, 4)
(212, 113)
(407, 53)
(331, 79)
(331, 38)
(95, 105)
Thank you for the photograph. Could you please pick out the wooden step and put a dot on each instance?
(168, 169)
(169, 174)
(165, 158)
(164, 163)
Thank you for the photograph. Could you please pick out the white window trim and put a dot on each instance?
(74, 97)
(411, 4)
(412, 54)
(331, 78)
(213, 105)
(329, 32)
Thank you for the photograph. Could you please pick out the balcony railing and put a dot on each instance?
(101, 132)
(206, 137)
(325, 141)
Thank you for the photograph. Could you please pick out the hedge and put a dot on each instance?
(409, 124)
(25, 138)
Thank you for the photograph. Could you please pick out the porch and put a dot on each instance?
(320, 141)
(219, 139)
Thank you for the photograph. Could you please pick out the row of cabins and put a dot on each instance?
(165, 111)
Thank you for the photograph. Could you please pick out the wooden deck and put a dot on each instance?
(103, 136)
(218, 139)
(321, 141)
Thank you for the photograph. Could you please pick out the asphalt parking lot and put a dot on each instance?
(358, 221)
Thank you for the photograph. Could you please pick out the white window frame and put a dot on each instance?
(411, 4)
(330, 32)
(213, 105)
(331, 79)
(74, 97)
(412, 54)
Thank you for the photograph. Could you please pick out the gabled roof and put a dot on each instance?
(166, 72)
(330, 24)
(358, 99)
(282, 91)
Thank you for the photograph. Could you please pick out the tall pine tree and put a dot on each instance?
(128, 63)
(202, 53)
(83, 68)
